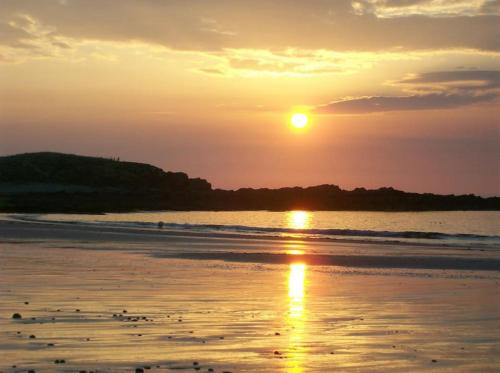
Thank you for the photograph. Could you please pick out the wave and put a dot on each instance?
(336, 232)
(284, 232)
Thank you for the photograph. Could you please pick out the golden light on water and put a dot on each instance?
(296, 279)
(295, 249)
(296, 311)
(298, 219)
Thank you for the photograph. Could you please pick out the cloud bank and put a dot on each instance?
(341, 25)
(435, 90)
(428, 8)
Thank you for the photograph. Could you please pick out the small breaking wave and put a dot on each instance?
(308, 232)
(331, 233)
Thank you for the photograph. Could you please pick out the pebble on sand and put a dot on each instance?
(17, 316)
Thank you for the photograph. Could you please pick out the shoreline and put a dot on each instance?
(166, 232)
(253, 249)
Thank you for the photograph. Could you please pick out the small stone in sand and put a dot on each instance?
(195, 363)
(139, 370)
(434, 360)
(17, 316)
(277, 333)
(26, 302)
(32, 336)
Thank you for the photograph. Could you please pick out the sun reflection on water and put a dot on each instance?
(296, 311)
(299, 219)
(296, 279)
(294, 249)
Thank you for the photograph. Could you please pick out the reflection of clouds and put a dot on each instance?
(298, 219)
(296, 294)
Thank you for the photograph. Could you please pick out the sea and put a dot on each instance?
(454, 228)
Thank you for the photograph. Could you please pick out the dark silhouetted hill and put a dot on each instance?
(65, 182)
(54, 182)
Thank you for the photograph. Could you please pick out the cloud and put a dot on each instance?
(24, 37)
(295, 62)
(374, 104)
(463, 80)
(214, 26)
(436, 90)
(428, 8)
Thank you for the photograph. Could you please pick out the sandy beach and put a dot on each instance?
(118, 300)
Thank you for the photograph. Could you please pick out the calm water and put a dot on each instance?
(456, 227)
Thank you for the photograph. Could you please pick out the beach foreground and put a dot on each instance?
(118, 300)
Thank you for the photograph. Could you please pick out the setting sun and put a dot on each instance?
(299, 120)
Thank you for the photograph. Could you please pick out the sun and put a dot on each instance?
(299, 120)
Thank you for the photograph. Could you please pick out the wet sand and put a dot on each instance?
(191, 306)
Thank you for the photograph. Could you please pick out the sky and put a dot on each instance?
(401, 93)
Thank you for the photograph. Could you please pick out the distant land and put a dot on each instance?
(67, 183)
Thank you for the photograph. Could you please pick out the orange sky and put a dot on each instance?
(400, 93)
